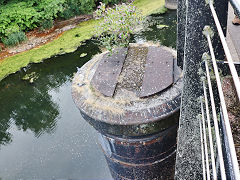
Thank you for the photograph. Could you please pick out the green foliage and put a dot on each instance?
(77, 7)
(17, 16)
(21, 36)
(25, 15)
(71, 8)
(67, 13)
(117, 25)
(112, 2)
(49, 9)
(46, 24)
(14, 38)
(86, 6)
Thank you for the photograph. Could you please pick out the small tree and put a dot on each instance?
(117, 25)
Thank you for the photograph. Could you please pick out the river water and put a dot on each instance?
(42, 134)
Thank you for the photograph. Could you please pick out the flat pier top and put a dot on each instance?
(136, 85)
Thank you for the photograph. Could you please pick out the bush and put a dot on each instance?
(17, 16)
(71, 8)
(77, 7)
(46, 24)
(14, 38)
(86, 6)
(67, 14)
(49, 9)
(21, 36)
(24, 15)
(27, 15)
(112, 2)
(117, 25)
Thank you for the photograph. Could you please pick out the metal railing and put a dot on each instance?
(218, 155)
(226, 123)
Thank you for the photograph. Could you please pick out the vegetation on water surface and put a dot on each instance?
(30, 77)
(68, 42)
(117, 25)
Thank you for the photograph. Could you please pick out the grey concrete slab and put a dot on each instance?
(109, 68)
(158, 71)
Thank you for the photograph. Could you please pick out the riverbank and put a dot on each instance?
(66, 42)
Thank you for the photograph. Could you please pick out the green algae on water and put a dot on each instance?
(162, 26)
(83, 55)
(30, 77)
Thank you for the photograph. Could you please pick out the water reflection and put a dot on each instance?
(43, 114)
(29, 105)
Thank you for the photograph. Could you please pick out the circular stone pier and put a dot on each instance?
(132, 98)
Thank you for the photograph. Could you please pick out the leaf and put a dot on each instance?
(30, 77)
(83, 55)
(162, 26)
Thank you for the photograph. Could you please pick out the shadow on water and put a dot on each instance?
(41, 135)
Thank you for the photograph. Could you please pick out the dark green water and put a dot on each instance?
(42, 134)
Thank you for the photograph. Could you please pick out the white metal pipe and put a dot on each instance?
(225, 113)
(205, 141)
(226, 50)
(201, 136)
(218, 140)
(210, 133)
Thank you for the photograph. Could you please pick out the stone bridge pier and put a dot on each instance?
(132, 98)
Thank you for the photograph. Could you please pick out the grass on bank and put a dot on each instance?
(68, 42)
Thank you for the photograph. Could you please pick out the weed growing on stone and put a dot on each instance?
(117, 24)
